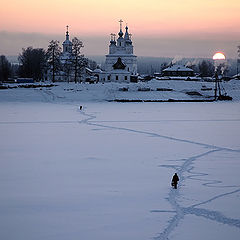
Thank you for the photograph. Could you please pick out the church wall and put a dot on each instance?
(120, 77)
(114, 77)
(121, 48)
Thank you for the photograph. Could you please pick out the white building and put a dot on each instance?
(178, 71)
(121, 63)
(66, 74)
(67, 48)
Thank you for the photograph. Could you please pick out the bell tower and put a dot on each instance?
(67, 44)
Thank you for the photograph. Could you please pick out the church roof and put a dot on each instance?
(67, 42)
(126, 36)
(176, 68)
(97, 70)
(119, 64)
(120, 34)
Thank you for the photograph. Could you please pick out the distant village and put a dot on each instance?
(68, 64)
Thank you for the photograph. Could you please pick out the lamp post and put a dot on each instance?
(219, 59)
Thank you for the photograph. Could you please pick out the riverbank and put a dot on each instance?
(154, 90)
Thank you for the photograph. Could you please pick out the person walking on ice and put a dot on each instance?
(175, 180)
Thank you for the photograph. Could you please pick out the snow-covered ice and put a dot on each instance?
(104, 172)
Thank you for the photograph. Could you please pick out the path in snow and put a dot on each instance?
(180, 212)
(185, 167)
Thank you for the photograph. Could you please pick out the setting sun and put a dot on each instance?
(218, 56)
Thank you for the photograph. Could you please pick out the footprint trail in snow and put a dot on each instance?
(186, 167)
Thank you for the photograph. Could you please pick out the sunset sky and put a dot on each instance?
(195, 28)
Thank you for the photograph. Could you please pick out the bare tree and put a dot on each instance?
(67, 68)
(78, 60)
(53, 56)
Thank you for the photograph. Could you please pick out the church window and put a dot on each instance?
(117, 77)
(109, 78)
(125, 77)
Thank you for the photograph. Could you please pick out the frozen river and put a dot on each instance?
(105, 172)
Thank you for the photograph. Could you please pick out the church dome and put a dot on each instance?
(120, 34)
(67, 40)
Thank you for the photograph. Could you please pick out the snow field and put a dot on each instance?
(105, 172)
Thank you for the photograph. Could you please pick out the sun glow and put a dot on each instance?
(219, 56)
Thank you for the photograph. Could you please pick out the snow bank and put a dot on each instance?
(70, 92)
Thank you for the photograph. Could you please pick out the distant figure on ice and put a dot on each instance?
(175, 180)
(80, 107)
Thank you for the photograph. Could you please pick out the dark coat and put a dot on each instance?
(175, 178)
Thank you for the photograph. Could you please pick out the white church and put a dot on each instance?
(65, 57)
(67, 48)
(121, 63)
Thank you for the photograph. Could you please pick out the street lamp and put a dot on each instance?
(220, 66)
(219, 59)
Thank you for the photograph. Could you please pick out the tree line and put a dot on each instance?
(38, 63)
(202, 67)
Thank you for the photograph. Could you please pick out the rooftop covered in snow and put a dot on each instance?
(178, 68)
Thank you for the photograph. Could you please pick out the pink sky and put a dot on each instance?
(156, 20)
